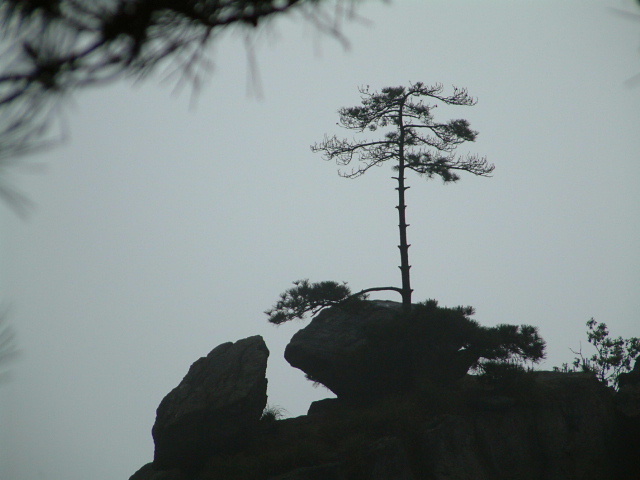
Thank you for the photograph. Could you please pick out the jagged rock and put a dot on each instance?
(215, 408)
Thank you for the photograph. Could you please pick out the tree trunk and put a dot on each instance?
(402, 225)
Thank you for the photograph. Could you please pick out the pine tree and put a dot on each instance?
(413, 140)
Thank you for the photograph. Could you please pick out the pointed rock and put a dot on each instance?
(215, 408)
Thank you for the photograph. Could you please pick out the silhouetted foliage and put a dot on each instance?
(450, 332)
(412, 140)
(500, 372)
(52, 48)
(305, 297)
(613, 355)
(515, 343)
(272, 413)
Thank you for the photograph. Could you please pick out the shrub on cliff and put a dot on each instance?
(454, 342)
(613, 356)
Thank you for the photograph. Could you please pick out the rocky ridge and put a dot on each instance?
(540, 425)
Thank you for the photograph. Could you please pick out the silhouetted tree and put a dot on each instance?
(413, 140)
(613, 356)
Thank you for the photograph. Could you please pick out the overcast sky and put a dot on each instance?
(161, 230)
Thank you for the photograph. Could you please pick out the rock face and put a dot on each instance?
(215, 408)
(631, 379)
(564, 426)
(551, 426)
(570, 435)
(628, 404)
(388, 461)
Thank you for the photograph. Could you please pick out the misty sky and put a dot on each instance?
(165, 226)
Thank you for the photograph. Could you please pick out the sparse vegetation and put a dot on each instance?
(613, 355)
(272, 413)
(502, 375)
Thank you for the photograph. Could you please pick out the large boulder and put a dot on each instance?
(215, 408)
(341, 349)
(369, 350)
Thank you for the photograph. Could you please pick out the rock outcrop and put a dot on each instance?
(569, 433)
(521, 426)
(560, 426)
(361, 353)
(340, 350)
(215, 408)
(628, 397)
(628, 405)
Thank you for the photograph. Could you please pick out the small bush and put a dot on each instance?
(272, 413)
(501, 374)
(613, 355)
(451, 340)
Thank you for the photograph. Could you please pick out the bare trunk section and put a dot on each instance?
(402, 224)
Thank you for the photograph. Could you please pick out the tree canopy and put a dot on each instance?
(414, 139)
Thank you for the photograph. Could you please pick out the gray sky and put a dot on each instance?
(162, 230)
